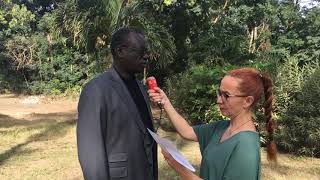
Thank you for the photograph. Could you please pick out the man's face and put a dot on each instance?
(134, 54)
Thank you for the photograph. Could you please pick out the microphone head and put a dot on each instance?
(152, 83)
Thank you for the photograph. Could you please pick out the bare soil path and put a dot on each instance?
(23, 106)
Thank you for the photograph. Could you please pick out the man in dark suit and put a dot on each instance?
(114, 114)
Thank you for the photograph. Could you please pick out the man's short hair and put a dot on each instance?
(120, 37)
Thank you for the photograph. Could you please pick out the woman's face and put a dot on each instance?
(230, 100)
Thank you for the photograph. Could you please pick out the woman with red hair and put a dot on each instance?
(230, 149)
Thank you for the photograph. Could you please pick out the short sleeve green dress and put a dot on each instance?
(237, 158)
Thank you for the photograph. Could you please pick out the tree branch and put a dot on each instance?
(221, 12)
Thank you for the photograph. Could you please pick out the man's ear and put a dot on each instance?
(248, 101)
(119, 52)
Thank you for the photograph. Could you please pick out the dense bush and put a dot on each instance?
(288, 82)
(193, 93)
(10, 80)
(298, 108)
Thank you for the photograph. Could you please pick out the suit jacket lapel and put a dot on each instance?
(146, 99)
(148, 140)
(125, 96)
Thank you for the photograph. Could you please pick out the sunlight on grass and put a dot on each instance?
(46, 149)
(39, 150)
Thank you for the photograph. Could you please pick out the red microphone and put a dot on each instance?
(152, 84)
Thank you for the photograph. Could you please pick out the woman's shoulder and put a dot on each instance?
(248, 139)
(223, 123)
(213, 125)
(220, 123)
(248, 135)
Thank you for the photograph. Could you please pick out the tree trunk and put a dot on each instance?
(255, 35)
(221, 11)
(251, 40)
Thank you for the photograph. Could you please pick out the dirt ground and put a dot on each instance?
(38, 130)
(23, 106)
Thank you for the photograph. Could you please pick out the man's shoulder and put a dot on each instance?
(105, 76)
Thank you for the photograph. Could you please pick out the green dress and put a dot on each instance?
(237, 158)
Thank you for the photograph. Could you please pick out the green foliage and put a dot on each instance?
(300, 113)
(298, 34)
(288, 83)
(10, 80)
(161, 42)
(87, 24)
(16, 19)
(62, 69)
(193, 93)
(45, 58)
(21, 50)
(217, 47)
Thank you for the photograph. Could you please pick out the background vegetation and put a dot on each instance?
(55, 46)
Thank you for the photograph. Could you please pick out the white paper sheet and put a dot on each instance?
(170, 148)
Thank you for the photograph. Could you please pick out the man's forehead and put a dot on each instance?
(136, 38)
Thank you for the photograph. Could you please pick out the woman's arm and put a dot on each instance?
(184, 173)
(181, 125)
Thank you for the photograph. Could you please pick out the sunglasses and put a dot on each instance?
(226, 96)
(138, 52)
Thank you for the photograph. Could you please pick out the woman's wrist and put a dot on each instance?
(188, 175)
(167, 104)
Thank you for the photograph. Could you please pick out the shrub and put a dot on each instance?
(193, 93)
(299, 131)
(10, 80)
(288, 83)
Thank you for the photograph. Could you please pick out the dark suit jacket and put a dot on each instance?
(112, 140)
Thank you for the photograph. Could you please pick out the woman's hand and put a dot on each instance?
(172, 162)
(180, 124)
(181, 170)
(158, 96)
